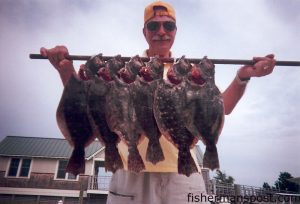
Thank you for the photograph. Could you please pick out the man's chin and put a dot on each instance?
(163, 48)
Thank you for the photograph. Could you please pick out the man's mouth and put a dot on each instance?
(163, 38)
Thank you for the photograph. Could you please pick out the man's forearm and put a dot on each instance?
(66, 70)
(233, 94)
(65, 76)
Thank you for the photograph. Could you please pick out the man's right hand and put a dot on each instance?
(57, 57)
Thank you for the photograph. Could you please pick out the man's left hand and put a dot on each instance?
(263, 66)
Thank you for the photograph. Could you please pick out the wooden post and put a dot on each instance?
(237, 191)
(38, 199)
(81, 193)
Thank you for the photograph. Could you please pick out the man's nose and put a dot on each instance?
(161, 30)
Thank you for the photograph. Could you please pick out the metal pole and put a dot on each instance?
(171, 60)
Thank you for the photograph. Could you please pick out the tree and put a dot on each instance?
(283, 183)
(223, 178)
(266, 186)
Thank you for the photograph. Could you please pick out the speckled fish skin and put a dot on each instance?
(208, 111)
(74, 122)
(98, 89)
(121, 117)
(142, 94)
(169, 105)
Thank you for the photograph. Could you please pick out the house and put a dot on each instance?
(33, 169)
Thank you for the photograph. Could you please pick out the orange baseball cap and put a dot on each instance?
(150, 10)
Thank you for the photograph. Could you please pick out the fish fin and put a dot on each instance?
(186, 163)
(211, 158)
(76, 164)
(113, 160)
(135, 161)
(154, 152)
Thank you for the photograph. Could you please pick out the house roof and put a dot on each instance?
(53, 148)
(42, 147)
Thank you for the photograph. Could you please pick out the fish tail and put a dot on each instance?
(186, 163)
(211, 158)
(154, 152)
(113, 160)
(76, 164)
(135, 161)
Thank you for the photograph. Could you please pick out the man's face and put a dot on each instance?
(160, 36)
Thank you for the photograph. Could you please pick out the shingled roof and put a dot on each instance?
(42, 147)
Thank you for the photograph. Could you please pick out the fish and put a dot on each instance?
(98, 88)
(130, 71)
(169, 106)
(91, 67)
(206, 110)
(120, 113)
(142, 95)
(73, 120)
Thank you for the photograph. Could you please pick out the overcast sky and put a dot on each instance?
(261, 138)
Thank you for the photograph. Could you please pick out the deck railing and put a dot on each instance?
(100, 183)
(217, 188)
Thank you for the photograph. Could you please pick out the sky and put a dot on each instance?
(260, 138)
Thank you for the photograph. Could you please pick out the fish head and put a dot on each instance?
(196, 75)
(105, 74)
(157, 67)
(115, 64)
(93, 65)
(131, 70)
(207, 69)
(146, 74)
(182, 66)
(135, 64)
(179, 70)
(153, 70)
(126, 75)
(203, 72)
(173, 76)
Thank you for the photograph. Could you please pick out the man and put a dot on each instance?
(160, 183)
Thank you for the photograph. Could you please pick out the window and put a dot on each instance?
(14, 166)
(25, 167)
(19, 167)
(61, 171)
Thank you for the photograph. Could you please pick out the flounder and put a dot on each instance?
(98, 88)
(74, 122)
(169, 106)
(143, 94)
(120, 113)
(205, 110)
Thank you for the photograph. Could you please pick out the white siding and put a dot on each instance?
(89, 167)
(44, 165)
(3, 163)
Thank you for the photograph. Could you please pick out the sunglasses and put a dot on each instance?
(154, 26)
